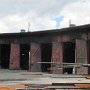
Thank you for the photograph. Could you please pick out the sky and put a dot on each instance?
(42, 14)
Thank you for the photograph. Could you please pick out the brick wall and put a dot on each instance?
(57, 54)
(15, 56)
(35, 56)
(81, 56)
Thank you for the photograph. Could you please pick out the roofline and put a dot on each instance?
(68, 29)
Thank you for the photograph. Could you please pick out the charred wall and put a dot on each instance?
(34, 43)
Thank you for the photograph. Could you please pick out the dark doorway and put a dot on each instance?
(68, 55)
(88, 49)
(24, 56)
(5, 55)
(46, 52)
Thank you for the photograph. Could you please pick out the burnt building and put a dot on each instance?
(23, 50)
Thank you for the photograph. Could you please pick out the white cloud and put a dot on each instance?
(3, 27)
(15, 14)
(77, 12)
(42, 23)
(15, 23)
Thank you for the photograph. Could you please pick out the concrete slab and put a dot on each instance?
(13, 77)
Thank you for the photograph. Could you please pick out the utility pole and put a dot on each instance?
(28, 26)
(69, 23)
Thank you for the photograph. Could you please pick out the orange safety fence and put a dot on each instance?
(11, 87)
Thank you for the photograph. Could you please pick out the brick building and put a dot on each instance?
(23, 50)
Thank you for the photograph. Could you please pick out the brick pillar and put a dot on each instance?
(57, 55)
(35, 56)
(81, 56)
(0, 55)
(15, 56)
(88, 36)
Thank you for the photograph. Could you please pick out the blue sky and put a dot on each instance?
(58, 21)
(42, 14)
